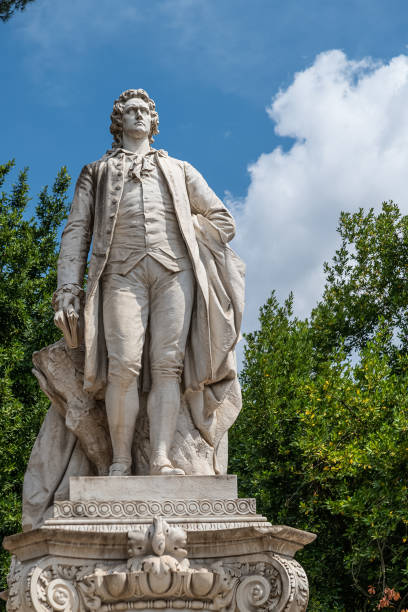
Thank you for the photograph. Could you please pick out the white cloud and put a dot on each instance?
(349, 122)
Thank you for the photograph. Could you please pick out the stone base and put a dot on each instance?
(209, 553)
(155, 488)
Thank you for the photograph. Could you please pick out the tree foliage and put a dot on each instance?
(366, 280)
(28, 257)
(322, 439)
(9, 7)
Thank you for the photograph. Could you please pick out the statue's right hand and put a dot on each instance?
(67, 308)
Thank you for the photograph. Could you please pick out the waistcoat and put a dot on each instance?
(146, 223)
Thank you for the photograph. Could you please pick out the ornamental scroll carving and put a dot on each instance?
(159, 575)
(143, 509)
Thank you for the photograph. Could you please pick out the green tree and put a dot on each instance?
(9, 7)
(28, 257)
(354, 449)
(367, 280)
(329, 451)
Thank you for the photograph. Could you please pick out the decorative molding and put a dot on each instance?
(62, 595)
(158, 574)
(84, 525)
(14, 581)
(54, 584)
(299, 585)
(252, 592)
(147, 509)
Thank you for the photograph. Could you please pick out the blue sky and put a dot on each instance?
(258, 95)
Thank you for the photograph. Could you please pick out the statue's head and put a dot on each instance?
(123, 101)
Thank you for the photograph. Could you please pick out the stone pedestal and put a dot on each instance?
(137, 543)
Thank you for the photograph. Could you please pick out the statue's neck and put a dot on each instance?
(136, 145)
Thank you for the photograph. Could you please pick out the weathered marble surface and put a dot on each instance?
(204, 554)
(74, 439)
(164, 296)
(145, 380)
(158, 488)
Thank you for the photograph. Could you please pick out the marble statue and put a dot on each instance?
(155, 332)
(127, 504)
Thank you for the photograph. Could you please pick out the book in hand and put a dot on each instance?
(69, 325)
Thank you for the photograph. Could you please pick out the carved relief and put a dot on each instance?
(158, 574)
(252, 593)
(103, 587)
(158, 569)
(260, 586)
(15, 583)
(136, 509)
(124, 527)
(159, 549)
(48, 585)
(61, 595)
(299, 585)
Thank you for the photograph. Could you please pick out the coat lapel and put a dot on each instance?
(174, 175)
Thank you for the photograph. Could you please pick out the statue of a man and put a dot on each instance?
(164, 297)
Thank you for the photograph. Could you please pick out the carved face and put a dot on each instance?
(136, 119)
(137, 543)
(61, 596)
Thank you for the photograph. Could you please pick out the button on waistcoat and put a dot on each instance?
(146, 223)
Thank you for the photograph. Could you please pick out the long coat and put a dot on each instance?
(206, 226)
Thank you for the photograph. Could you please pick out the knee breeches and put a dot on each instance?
(148, 295)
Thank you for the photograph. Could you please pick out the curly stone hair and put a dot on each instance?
(116, 127)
